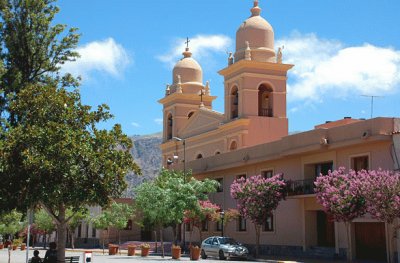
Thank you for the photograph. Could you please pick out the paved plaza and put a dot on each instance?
(18, 256)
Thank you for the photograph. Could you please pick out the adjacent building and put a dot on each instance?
(251, 137)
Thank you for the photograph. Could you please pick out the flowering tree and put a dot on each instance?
(256, 198)
(207, 212)
(340, 194)
(382, 195)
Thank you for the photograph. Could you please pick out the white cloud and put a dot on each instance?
(135, 124)
(104, 56)
(328, 67)
(201, 46)
(158, 121)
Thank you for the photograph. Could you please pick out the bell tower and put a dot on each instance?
(184, 96)
(255, 81)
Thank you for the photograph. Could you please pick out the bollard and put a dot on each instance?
(87, 256)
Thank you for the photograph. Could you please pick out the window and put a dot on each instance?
(269, 224)
(188, 227)
(234, 103)
(233, 146)
(190, 114)
(219, 226)
(221, 185)
(360, 163)
(204, 225)
(241, 224)
(267, 173)
(199, 156)
(93, 232)
(169, 127)
(217, 152)
(240, 176)
(80, 230)
(265, 101)
(128, 225)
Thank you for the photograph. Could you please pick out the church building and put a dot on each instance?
(251, 137)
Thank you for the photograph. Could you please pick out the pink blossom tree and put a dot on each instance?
(256, 198)
(382, 194)
(341, 196)
(195, 218)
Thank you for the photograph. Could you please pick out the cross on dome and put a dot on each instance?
(187, 42)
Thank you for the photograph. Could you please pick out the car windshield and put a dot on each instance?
(228, 241)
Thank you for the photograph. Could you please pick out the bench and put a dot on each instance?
(74, 259)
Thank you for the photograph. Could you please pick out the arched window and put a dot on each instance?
(265, 101)
(169, 126)
(217, 152)
(199, 156)
(233, 146)
(234, 103)
(190, 114)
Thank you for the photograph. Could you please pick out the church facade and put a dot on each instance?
(251, 137)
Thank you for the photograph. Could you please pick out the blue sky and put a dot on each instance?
(341, 50)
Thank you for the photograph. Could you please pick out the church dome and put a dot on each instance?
(257, 35)
(188, 69)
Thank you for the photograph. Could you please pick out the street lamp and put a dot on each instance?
(184, 181)
(184, 155)
(222, 215)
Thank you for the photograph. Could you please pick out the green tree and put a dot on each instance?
(44, 222)
(11, 223)
(120, 213)
(103, 222)
(56, 155)
(164, 201)
(77, 217)
(33, 48)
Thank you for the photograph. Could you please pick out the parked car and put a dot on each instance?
(222, 247)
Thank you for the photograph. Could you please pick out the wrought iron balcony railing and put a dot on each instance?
(300, 187)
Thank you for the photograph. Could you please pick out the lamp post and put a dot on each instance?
(184, 156)
(184, 181)
(222, 215)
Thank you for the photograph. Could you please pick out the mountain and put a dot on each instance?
(147, 154)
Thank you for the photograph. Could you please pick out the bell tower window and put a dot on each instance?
(265, 96)
(234, 103)
(233, 146)
(169, 126)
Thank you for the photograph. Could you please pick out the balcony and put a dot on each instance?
(300, 187)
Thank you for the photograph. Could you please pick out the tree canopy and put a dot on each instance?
(257, 197)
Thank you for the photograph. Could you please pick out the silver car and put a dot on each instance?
(222, 247)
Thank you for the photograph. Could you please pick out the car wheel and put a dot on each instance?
(221, 255)
(203, 254)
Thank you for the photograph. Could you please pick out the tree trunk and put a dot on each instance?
(162, 243)
(258, 230)
(201, 235)
(72, 237)
(119, 241)
(349, 248)
(102, 241)
(191, 236)
(155, 239)
(392, 235)
(61, 234)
